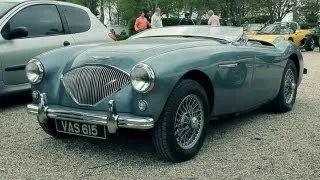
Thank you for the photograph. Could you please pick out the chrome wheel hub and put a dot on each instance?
(189, 122)
(289, 86)
(312, 44)
(194, 123)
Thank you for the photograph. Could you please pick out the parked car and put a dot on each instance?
(29, 28)
(316, 33)
(289, 31)
(170, 80)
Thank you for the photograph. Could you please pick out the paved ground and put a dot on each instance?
(258, 145)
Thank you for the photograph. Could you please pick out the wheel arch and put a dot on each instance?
(294, 57)
(205, 82)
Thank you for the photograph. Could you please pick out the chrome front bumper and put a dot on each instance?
(110, 118)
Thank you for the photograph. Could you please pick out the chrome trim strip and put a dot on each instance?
(110, 119)
(135, 122)
(32, 109)
(228, 65)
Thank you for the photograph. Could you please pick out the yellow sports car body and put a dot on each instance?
(302, 38)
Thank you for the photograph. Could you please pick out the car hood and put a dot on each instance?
(126, 54)
(304, 31)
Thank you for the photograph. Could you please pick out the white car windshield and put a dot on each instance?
(227, 33)
(5, 6)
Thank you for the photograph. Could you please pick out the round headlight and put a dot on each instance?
(142, 78)
(278, 39)
(34, 71)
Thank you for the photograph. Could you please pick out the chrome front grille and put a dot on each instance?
(90, 84)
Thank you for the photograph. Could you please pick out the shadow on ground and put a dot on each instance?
(14, 100)
(137, 145)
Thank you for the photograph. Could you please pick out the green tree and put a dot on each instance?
(308, 11)
(91, 4)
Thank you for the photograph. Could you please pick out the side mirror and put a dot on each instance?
(19, 32)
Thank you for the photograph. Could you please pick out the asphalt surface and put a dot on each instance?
(257, 145)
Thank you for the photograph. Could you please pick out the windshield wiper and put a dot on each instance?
(224, 41)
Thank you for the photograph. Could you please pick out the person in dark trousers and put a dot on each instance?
(187, 20)
(148, 15)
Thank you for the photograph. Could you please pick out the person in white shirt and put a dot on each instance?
(156, 21)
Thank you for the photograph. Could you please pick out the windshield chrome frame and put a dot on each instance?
(237, 39)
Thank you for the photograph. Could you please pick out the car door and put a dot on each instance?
(266, 73)
(84, 27)
(45, 32)
(232, 81)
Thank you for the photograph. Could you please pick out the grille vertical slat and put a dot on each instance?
(90, 84)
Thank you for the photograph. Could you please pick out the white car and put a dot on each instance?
(29, 28)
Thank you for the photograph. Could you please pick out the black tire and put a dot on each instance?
(311, 44)
(50, 128)
(164, 138)
(280, 104)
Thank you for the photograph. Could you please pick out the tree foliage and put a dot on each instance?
(308, 11)
(236, 10)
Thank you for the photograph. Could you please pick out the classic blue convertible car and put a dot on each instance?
(170, 80)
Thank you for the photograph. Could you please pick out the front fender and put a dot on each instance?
(170, 68)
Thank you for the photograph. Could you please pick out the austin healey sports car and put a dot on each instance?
(169, 80)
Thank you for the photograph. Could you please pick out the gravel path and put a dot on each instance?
(258, 145)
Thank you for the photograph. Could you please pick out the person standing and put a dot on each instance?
(156, 21)
(214, 20)
(141, 23)
(148, 15)
(186, 20)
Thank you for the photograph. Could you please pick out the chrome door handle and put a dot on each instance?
(228, 65)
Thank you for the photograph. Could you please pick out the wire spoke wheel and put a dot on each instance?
(189, 122)
(312, 44)
(289, 86)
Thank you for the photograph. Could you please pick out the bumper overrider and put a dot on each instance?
(111, 119)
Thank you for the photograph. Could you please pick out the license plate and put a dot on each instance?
(81, 129)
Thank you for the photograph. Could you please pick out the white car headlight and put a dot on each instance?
(34, 71)
(142, 78)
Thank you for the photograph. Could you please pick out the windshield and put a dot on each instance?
(5, 6)
(253, 27)
(231, 34)
(277, 29)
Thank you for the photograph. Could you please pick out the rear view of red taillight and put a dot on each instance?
(112, 36)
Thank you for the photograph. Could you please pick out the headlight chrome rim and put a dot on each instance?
(278, 39)
(40, 69)
(151, 74)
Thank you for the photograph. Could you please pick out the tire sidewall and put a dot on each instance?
(178, 95)
(283, 103)
(312, 45)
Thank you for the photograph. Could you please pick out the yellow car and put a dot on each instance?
(289, 31)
